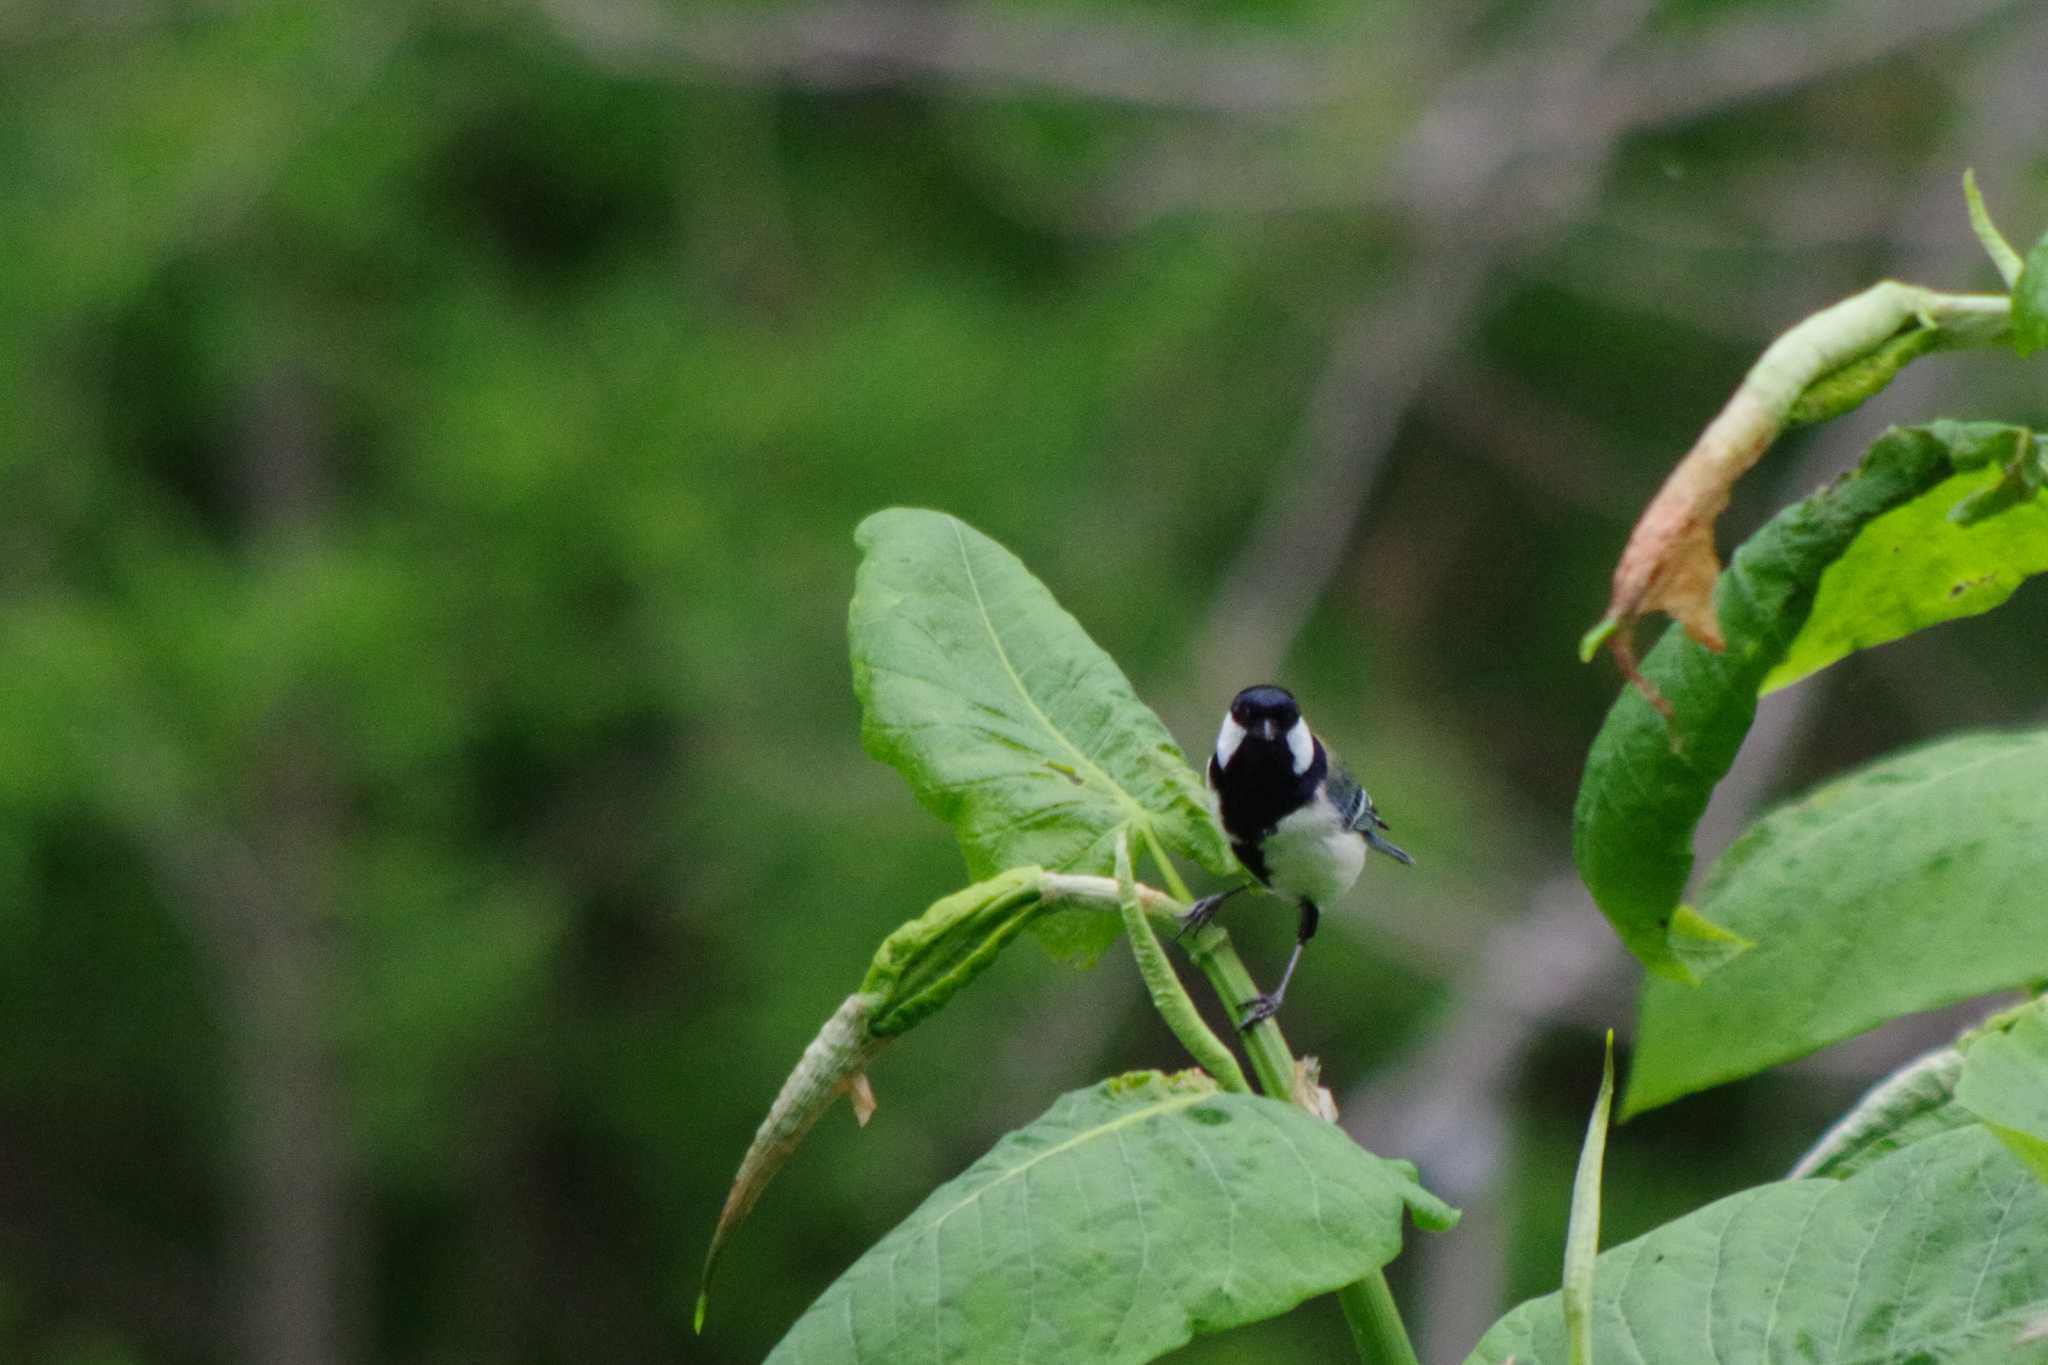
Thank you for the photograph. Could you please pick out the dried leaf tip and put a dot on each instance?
(860, 1092)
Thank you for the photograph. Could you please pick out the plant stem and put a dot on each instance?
(1375, 1320)
(1169, 997)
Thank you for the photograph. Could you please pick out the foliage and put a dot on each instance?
(1648, 780)
(1008, 722)
(1916, 1102)
(1908, 885)
(2004, 1082)
(1917, 1232)
(1129, 1218)
(2030, 301)
(1582, 1235)
(1815, 925)
(1958, 549)
(1897, 1262)
(429, 825)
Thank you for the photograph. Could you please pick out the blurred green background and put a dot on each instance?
(431, 814)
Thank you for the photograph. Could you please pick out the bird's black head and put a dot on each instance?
(1266, 712)
(1266, 765)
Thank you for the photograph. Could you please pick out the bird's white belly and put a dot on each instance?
(1312, 854)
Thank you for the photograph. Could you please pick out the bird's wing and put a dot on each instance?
(1360, 815)
(1352, 803)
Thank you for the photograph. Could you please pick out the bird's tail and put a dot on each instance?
(1387, 846)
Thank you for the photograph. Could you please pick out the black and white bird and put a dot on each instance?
(1297, 821)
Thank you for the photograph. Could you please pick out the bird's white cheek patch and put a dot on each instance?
(1301, 745)
(1227, 740)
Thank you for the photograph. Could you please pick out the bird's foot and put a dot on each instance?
(1258, 1009)
(1199, 914)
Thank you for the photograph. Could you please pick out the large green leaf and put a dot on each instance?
(1938, 1253)
(1918, 881)
(1130, 1217)
(1647, 782)
(2005, 1083)
(1006, 719)
(1917, 566)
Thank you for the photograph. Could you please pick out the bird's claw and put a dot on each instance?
(1257, 1010)
(1199, 914)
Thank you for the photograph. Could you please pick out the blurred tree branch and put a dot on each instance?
(1388, 349)
(865, 44)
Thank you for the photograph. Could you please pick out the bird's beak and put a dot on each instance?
(1267, 728)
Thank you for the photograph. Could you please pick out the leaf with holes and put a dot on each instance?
(1938, 1252)
(1916, 882)
(1009, 722)
(1131, 1217)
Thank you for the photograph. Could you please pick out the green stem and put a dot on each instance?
(1169, 997)
(1375, 1320)
(2002, 255)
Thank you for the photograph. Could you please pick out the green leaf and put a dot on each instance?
(1938, 1253)
(1009, 722)
(924, 961)
(2030, 302)
(1910, 884)
(1132, 1216)
(1646, 785)
(1845, 390)
(2005, 1083)
(914, 973)
(834, 1064)
(1915, 567)
(1915, 1102)
(1582, 1234)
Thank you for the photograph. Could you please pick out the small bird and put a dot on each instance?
(1297, 821)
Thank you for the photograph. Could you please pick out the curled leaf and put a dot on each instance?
(831, 1066)
(1648, 775)
(915, 972)
(1821, 368)
(1846, 389)
(919, 966)
(1916, 1101)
